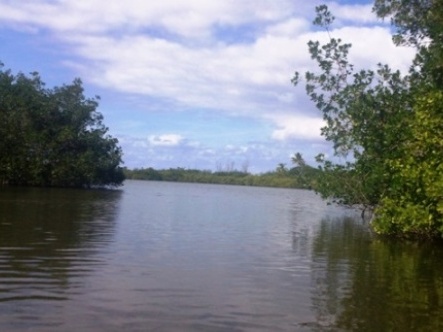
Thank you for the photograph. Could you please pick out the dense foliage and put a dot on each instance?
(389, 126)
(53, 137)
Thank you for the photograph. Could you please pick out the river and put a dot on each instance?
(158, 256)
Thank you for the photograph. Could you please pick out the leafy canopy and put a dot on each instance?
(53, 137)
(387, 125)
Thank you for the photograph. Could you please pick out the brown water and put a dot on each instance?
(158, 256)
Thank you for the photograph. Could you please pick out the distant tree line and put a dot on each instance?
(299, 176)
(53, 137)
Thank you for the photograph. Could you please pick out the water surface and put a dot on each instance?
(157, 256)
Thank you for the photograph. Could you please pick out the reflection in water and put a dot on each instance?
(49, 239)
(186, 257)
(362, 283)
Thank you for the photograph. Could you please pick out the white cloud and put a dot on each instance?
(296, 127)
(374, 45)
(187, 18)
(233, 77)
(165, 140)
(360, 14)
(139, 152)
(247, 79)
(181, 53)
(291, 28)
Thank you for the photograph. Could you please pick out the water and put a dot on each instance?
(158, 256)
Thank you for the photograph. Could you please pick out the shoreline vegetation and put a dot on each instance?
(54, 137)
(387, 124)
(296, 177)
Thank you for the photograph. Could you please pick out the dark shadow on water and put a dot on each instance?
(51, 238)
(365, 283)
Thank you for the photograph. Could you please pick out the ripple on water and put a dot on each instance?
(182, 257)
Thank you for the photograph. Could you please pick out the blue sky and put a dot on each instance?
(195, 83)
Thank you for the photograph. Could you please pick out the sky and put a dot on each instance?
(197, 84)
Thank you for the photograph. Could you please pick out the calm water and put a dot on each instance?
(158, 256)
